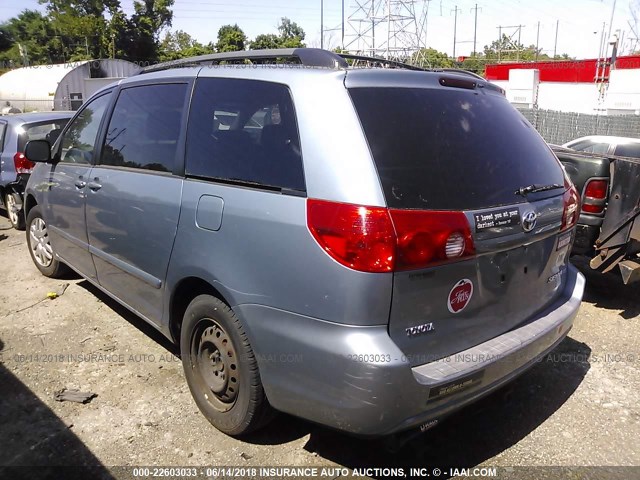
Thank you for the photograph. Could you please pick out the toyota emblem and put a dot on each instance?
(529, 221)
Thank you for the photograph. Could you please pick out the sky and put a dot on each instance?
(579, 22)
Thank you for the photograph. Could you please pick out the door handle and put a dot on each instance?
(94, 185)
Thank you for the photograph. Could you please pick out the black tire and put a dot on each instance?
(54, 269)
(17, 218)
(221, 368)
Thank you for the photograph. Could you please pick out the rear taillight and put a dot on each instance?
(358, 237)
(377, 239)
(428, 237)
(22, 164)
(595, 196)
(571, 210)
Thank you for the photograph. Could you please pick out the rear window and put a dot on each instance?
(48, 130)
(628, 150)
(452, 149)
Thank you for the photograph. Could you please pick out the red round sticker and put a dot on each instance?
(460, 295)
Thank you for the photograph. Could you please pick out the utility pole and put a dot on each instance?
(342, 44)
(321, 24)
(601, 54)
(555, 45)
(613, 11)
(499, 43)
(519, 44)
(455, 29)
(475, 27)
(538, 41)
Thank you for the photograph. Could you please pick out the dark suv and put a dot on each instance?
(366, 248)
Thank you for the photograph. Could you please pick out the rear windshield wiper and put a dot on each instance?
(537, 188)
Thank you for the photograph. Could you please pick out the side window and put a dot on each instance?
(80, 138)
(628, 150)
(40, 131)
(244, 130)
(145, 126)
(589, 146)
(3, 128)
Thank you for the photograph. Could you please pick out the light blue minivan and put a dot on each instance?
(367, 248)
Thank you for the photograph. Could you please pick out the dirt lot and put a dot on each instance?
(578, 407)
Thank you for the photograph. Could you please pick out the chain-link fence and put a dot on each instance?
(28, 105)
(561, 127)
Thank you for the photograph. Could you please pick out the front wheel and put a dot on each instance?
(14, 209)
(221, 369)
(40, 247)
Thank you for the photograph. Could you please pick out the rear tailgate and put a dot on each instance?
(513, 275)
(466, 149)
(582, 167)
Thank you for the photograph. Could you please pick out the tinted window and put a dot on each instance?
(3, 128)
(244, 130)
(628, 150)
(589, 146)
(40, 131)
(79, 140)
(451, 149)
(144, 128)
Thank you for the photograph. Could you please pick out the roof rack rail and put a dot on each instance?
(398, 64)
(308, 57)
(383, 61)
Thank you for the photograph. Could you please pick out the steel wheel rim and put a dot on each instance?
(11, 209)
(39, 243)
(215, 363)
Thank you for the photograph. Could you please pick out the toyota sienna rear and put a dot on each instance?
(369, 249)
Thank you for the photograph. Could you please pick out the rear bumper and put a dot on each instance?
(587, 232)
(356, 379)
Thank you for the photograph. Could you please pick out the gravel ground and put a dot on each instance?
(578, 407)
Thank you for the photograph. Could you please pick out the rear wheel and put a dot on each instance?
(14, 209)
(221, 369)
(40, 247)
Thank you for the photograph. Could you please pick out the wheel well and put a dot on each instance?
(29, 203)
(186, 290)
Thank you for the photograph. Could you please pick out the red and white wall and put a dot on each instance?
(570, 86)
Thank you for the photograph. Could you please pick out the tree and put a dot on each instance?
(29, 39)
(84, 30)
(475, 64)
(512, 50)
(231, 38)
(431, 58)
(6, 39)
(148, 21)
(99, 28)
(264, 41)
(291, 36)
(180, 44)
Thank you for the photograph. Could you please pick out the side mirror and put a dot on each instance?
(38, 151)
